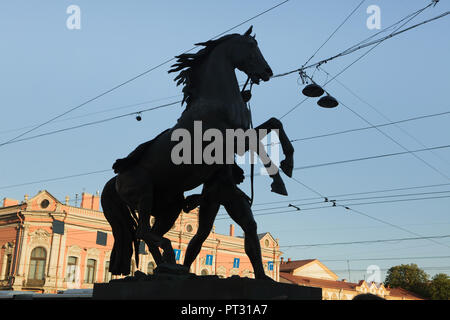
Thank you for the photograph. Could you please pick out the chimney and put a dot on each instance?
(289, 259)
(7, 202)
(344, 280)
(89, 201)
(96, 202)
(282, 260)
(86, 200)
(67, 200)
(231, 230)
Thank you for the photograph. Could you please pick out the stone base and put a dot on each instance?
(203, 288)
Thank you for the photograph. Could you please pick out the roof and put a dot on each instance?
(300, 266)
(400, 292)
(319, 283)
(292, 265)
(332, 284)
(261, 235)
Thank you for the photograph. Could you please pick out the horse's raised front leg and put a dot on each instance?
(273, 124)
(286, 165)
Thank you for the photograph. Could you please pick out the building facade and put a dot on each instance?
(47, 246)
(313, 273)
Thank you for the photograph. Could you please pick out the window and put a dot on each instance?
(8, 266)
(209, 260)
(204, 272)
(72, 263)
(270, 265)
(189, 228)
(150, 267)
(107, 274)
(177, 254)
(37, 264)
(132, 268)
(58, 226)
(142, 248)
(45, 203)
(101, 238)
(91, 265)
(236, 263)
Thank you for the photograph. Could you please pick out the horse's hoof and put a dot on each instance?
(287, 167)
(279, 187)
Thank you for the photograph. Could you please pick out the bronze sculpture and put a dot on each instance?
(149, 183)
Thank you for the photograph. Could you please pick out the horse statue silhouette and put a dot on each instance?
(149, 183)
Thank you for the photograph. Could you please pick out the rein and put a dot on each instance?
(246, 95)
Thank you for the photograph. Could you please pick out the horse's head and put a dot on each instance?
(247, 57)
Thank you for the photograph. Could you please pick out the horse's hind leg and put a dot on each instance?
(145, 232)
(123, 227)
(162, 225)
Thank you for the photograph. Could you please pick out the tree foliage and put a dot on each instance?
(410, 277)
(440, 287)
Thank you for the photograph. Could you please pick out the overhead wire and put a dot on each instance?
(256, 174)
(135, 77)
(376, 43)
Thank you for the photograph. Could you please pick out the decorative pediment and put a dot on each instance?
(40, 235)
(266, 240)
(42, 201)
(234, 272)
(315, 269)
(221, 270)
(93, 252)
(74, 250)
(8, 246)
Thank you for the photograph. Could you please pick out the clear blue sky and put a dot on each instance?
(46, 69)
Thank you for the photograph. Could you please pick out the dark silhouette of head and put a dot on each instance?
(242, 51)
(367, 296)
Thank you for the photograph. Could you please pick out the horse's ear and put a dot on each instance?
(249, 31)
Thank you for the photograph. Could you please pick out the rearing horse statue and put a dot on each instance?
(149, 183)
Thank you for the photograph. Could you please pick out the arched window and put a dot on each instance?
(204, 272)
(37, 265)
(91, 267)
(8, 266)
(150, 268)
(72, 264)
(107, 273)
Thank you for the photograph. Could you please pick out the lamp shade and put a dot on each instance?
(313, 90)
(327, 102)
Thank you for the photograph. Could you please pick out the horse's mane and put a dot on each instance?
(188, 63)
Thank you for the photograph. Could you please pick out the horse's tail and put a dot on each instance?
(123, 226)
